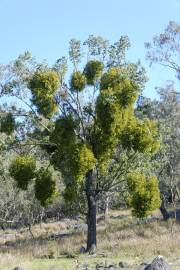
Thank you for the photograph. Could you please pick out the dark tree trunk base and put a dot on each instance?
(91, 216)
(164, 211)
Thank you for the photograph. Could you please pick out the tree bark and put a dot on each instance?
(106, 210)
(91, 216)
(164, 211)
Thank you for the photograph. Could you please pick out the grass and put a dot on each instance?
(122, 238)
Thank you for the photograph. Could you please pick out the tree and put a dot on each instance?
(165, 48)
(19, 208)
(82, 125)
(166, 110)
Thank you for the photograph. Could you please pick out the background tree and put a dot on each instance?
(166, 110)
(165, 48)
(81, 125)
(21, 208)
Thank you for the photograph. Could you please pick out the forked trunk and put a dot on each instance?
(91, 216)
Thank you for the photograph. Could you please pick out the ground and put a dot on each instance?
(56, 245)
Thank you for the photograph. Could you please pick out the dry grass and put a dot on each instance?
(56, 245)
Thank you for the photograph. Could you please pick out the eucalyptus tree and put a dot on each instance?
(166, 110)
(165, 48)
(82, 124)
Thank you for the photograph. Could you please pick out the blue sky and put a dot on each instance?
(44, 27)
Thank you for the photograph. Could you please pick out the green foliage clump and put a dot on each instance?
(64, 132)
(83, 160)
(127, 93)
(111, 79)
(93, 71)
(22, 169)
(114, 108)
(78, 81)
(126, 90)
(71, 191)
(45, 187)
(112, 118)
(72, 157)
(106, 109)
(144, 194)
(74, 161)
(64, 137)
(8, 124)
(43, 85)
(107, 119)
(75, 199)
(140, 136)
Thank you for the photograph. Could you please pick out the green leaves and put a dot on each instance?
(8, 124)
(73, 157)
(45, 187)
(115, 118)
(111, 78)
(74, 161)
(61, 68)
(22, 169)
(113, 109)
(43, 85)
(78, 81)
(140, 136)
(75, 51)
(93, 71)
(84, 160)
(144, 194)
(125, 90)
(64, 132)
(164, 48)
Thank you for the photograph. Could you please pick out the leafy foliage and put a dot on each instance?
(92, 71)
(64, 131)
(165, 48)
(8, 124)
(113, 108)
(97, 46)
(75, 52)
(165, 111)
(75, 162)
(141, 136)
(144, 194)
(116, 79)
(110, 121)
(78, 81)
(44, 84)
(111, 79)
(74, 198)
(22, 169)
(117, 52)
(73, 157)
(60, 67)
(45, 187)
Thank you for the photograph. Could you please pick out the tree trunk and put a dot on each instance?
(163, 210)
(178, 193)
(106, 210)
(91, 216)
